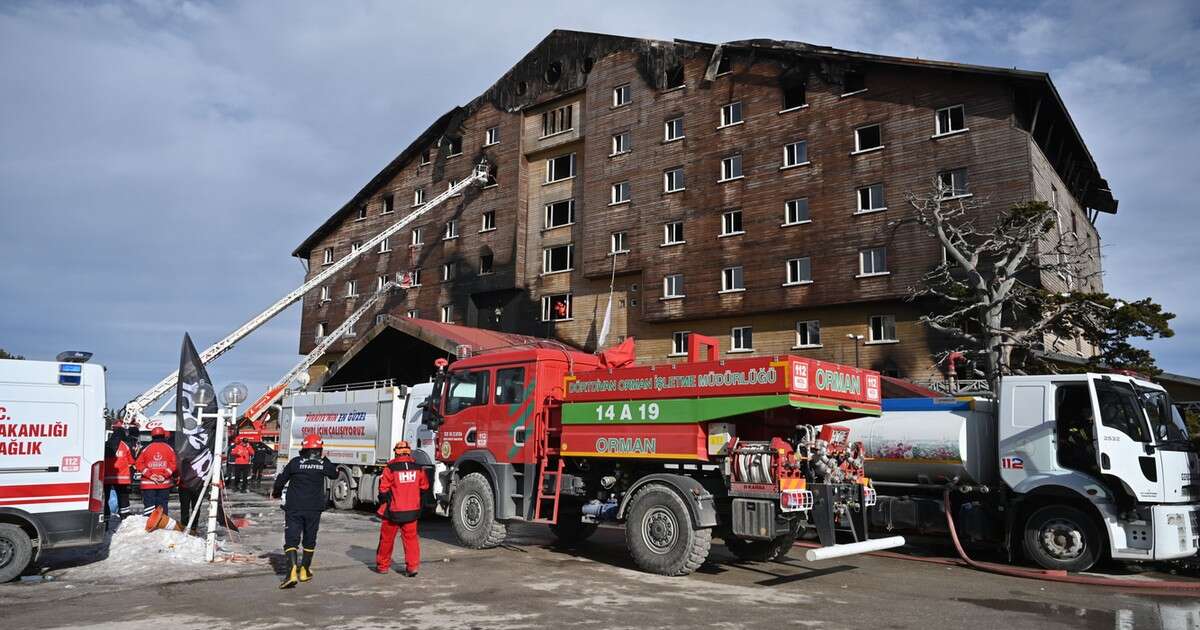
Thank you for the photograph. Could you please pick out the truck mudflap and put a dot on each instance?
(698, 499)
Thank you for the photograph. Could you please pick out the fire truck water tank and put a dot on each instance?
(928, 441)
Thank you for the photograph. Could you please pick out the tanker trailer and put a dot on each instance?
(1062, 470)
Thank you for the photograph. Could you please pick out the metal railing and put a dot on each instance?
(957, 387)
(390, 382)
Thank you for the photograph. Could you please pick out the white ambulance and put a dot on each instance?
(51, 458)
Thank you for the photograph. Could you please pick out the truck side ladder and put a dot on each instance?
(550, 470)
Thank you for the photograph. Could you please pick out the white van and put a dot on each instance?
(51, 458)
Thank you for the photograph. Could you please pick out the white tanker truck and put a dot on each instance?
(1067, 469)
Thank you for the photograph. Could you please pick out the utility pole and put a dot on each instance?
(856, 339)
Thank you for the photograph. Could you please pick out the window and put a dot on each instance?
(731, 114)
(416, 277)
(675, 77)
(412, 313)
(622, 95)
(325, 293)
(492, 170)
(385, 245)
(556, 307)
(380, 281)
(620, 143)
(795, 211)
(741, 339)
(556, 259)
(451, 183)
(950, 120)
(853, 82)
(355, 246)
(1121, 410)
(795, 154)
(731, 168)
(673, 129)
(679, 343)
(731, 279)
(447, 272)
(560, 213)
(352, 288)
(808, 334)
(673, 286)
(388, 204)
(328, 259)
(451, 229)
(620, 193)
(454, 146)
(673, 233)
(425, 157)
(557, 120)
(724, 66)
(867, 138)
(486, 264)
(489, 221)
(416, 237)
(794, 96)
(731, 223)
(510, 386)
(418, 196)
(870, 198)
(883, 328)
(491, 136)
(448, 314)
(799, 270)
(560, 168)
(381, 318)
(953, 183)
(872, 261)
(619, 243)
(362, 213)
(321, 326)
(673, 180)
(467, 388)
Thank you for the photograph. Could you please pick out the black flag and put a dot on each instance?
(194, 441)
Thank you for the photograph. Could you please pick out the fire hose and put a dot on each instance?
(1049, 575)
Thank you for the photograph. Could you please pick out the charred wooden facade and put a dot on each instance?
(753, 191)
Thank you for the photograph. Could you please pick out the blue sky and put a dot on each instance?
(160, 160)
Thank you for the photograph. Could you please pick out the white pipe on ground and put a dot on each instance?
(866, 546)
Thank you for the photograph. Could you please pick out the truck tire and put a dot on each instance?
(760, 550)
(473, 513)
(660, 535)
(342, 493)
(1062, 537)
(16, 551)
(571, 531)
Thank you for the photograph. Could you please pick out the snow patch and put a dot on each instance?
(134, 552)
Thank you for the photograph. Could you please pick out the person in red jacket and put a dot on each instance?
(118, 469)
(157, 464)
(399, 507)
(242, 454)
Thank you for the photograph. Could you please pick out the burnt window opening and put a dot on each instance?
(794, 95)
(493, 169)
(558, 120)
(553, 73)
(425, 157)
(486, 264)
(853, 81)
(588, 64)
(521, 88)
(453, 146)
(724, 66)
(675, 77)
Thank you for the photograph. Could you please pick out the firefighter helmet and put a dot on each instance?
(158, 432)
(312, 440)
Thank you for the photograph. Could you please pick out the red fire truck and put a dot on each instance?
(746, 449)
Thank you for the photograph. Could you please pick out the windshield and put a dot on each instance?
(1165, 420)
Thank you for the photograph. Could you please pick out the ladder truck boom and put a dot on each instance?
(134, 408)
(276, 391)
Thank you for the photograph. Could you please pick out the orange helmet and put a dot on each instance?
(402, 448)
(312, 440)
(158, 432)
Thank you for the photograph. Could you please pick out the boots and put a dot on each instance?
(306, 565)
(293, 574)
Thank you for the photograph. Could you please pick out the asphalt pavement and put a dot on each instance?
(530, 582)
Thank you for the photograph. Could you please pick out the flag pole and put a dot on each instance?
(214, 491)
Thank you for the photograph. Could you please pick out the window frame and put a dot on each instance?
(670, 174)
(728, 277)
(327, 256)
(667, 242)
(858, 148)
(679, 343)
(385, 246)
(450, 142)
(862, 258)
(728, 219)
(667, 129)
(731, 160)
(548, 307)
(738, 336)
(938, 132)
(416, 237)
(351, 288)
(446, 314)
(622, 138)
(449, 271)
(491, 136)
(380, 281)
(727, 112)
(555, 118)
(551, 171)
(412, 313)
(797, 281)
(799, 143)
(363, 210)
(491, 264)
(884, 324)
(620, 186)
(954, 190)
(673, 287)
(622, 95)
(548, 256)
(326, 294)
(783, 94)
(418, 196)
(870, 198)
(787, 211)
(810, 325)
(547, 214)
(487, 220)
(450, 232)
(322, 330)
(623, 237)
(389, 204)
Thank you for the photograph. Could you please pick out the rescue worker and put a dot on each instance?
(304, 477)
(118, 469)
(400, 490)
(157, 464)
(242, 454)
(263, 455)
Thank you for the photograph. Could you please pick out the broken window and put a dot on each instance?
(492, 170)
(553, 73)
(557, 120)
(556, 307)
(412, 313)
(724, 66)
(853, 81)
(454, 146)
(560, 168)
(950, 119)
(556, 259)
(485, 264)
(675, 77)
(560, 213)
(321, 326)
(794, 96)
(869, 137)
(731, 114)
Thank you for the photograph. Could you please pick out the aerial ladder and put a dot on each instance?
(135, 409)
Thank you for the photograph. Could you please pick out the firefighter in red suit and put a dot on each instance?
(242, 454)
(157, 464)
(399, 507)
(118, 469)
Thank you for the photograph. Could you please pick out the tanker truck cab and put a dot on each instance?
(1097, 460)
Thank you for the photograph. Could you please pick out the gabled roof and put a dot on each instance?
(573, 52)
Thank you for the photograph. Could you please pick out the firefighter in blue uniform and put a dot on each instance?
(305, 478)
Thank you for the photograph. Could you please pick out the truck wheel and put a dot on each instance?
(473, 513)
(16, 551)
(760, 550)
(1063, 538)
(660, 535)
(342, 493)
(571, 531)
